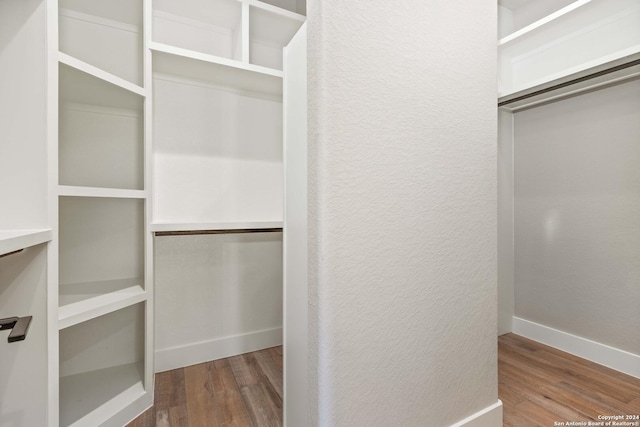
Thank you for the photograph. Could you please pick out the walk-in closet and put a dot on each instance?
(142, 192)
(569, 204)
(316, 214)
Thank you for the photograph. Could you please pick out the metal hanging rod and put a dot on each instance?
(572, 82)
(227, 231)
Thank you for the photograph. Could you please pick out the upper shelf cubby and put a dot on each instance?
(105, 34)
(249, 33)
(212, 27)
(270, 29)
(296, 6)
(579, 36)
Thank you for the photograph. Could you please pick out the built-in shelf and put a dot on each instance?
(106, 34)
(100, 74)
(84, 84)
(158, 227)
(73, 191)
(575, 39)
(90, 397)
(101, 366)
(15, 240)
(616, 69)
(214, 70)
(270, 29)
(80, 302)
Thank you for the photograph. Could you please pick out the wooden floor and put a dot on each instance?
(239, 391)
(539, 385)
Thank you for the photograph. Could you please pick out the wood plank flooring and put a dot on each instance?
(540, 385)
(239, 391)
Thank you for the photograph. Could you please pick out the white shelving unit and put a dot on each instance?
(576, 41)
(222, 62)
(76, 178)
(102, 366)
(218, 174)
(101, 197)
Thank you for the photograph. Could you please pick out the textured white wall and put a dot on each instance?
(505, 222)
(577, 216)
(402, 211)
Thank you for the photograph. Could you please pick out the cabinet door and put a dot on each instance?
(23, 364)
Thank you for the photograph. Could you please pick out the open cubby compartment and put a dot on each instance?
(212, 27)
(101, 142)
(102, 366)
(295, 6)
(270, 30)
(101, 251)
(217, 154)
(105, 34)
(578, 37)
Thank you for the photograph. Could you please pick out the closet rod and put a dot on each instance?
(227, 231)
(572, 82)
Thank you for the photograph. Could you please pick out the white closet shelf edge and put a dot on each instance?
(98, 73)
(81, 311)
(277, 10)
(544, 21)
(170, 62)
(73, 191)
(202, 226)
(15, 240)
(614, 60)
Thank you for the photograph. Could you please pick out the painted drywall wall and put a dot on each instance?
(295, 241)
(505, 222)
(402, 211)
(215, 296)
(23, 149)
(577, 210)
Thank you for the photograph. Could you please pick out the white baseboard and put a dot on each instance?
(491, 416)
(603, 354)
(204, 351)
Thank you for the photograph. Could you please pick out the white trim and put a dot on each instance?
(285, 13)
(76, 191)
(99, 20)
(100, 109)
(204, 351)
(491, 416)
(15, 240)
(602, 354)
(547, 19)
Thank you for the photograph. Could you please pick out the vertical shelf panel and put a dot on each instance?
(101, 366)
